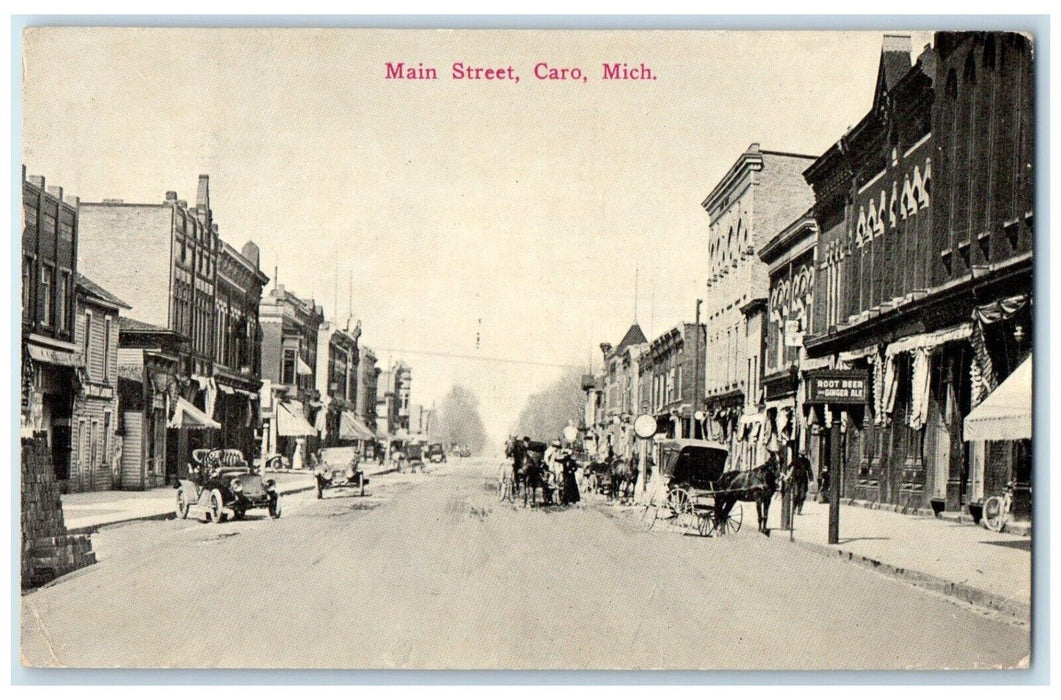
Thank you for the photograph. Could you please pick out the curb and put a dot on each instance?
(167, 515)
(978, 597)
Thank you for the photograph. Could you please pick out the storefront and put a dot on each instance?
(50, 383)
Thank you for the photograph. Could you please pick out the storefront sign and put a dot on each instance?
(99, 391)
(838, 387)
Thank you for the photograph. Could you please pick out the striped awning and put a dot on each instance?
(187, 416)
(291, 423)
(1006, 414)
(353, 428)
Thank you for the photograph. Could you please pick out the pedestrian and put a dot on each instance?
(823, 484)
(800, 475)
(552, 463)
(569, 483)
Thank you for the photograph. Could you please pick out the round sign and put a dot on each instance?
(570, 433)
(645, 426)
(699, 415)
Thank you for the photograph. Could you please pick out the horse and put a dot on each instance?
(757, 485)
(624, 478)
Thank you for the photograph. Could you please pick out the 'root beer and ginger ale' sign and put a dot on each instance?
(838, 387)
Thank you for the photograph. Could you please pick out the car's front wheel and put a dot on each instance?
(217, 507)
(274, 508)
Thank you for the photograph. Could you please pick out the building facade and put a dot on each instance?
(96, 454)
(762, 192)
(236, 378)
(290, 345)
(51, 358)
(338, 375)
(925, 214)
(367, 380)
(164, 257)
(669, 375)
(621, 401)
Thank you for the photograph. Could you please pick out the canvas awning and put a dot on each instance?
(304, 368)
(1006, 414)
(353, 428)
(52, 356)
(187, 416)
(291, 423)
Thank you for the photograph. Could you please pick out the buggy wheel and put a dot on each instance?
(731, 523)
(992, 517)
(705, 524)
(217, 507)
(681, 506)
(182, 503)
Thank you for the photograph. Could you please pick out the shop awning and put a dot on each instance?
(51, 356)
(353, 428)
(1006, 414)
(303, 368)
(930, 340)
(187, 416)
(291, 423)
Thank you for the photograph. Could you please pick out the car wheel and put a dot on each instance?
(182, 503)
(274, 508)
(217, 507)
(239, 513)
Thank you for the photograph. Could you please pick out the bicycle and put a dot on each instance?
(997, 509)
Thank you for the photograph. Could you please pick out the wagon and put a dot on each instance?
(691, 469)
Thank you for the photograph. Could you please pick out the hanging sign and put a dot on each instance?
(645, 426)
(838, 387)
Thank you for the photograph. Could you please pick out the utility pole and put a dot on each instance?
(696, 369)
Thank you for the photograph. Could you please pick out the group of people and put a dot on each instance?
(555, 472)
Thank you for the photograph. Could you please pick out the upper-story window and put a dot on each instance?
(287, 371)
(106, 348)
(29, 213)
(62, 301)
(88, 339)
(47, 281)
(27, 286)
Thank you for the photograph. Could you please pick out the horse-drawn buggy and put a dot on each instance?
(691, 489)
(221, 483)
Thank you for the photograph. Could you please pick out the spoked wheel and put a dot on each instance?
(217, 507)
(182, 504)
(731, 523)
(681, 505)
(992, 517)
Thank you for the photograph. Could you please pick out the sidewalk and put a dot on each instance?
(966, 561)
(85, 512)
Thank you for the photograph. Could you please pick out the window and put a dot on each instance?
(47, 280)
(94, 440)
(27, 286)
(62, 308)
(287, 372)
(106, 348)
(106, 436)
(88, 339)
(29, 213)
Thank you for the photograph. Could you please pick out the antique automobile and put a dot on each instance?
(220, 483)
(435, 453)
(339, 469)
(414, 456)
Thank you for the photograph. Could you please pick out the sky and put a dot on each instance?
(486, 232)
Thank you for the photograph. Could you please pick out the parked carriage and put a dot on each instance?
(692, 471)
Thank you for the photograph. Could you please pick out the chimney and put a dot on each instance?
(171, 196)
(73, 201)
(251, 252)
(202, 196)
(36, 181)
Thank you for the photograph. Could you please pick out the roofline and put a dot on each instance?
(803, 222)
(743, 162)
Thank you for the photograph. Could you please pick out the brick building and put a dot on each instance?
(338, 374)
(761, 193)
(290, 330)
(367, 380)
(924, 268)
(51, 357)
(235, 382)
(670, 370)
(93, 465)
(164, 258)
(620, 392)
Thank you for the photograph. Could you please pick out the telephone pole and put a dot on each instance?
(696, 369)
